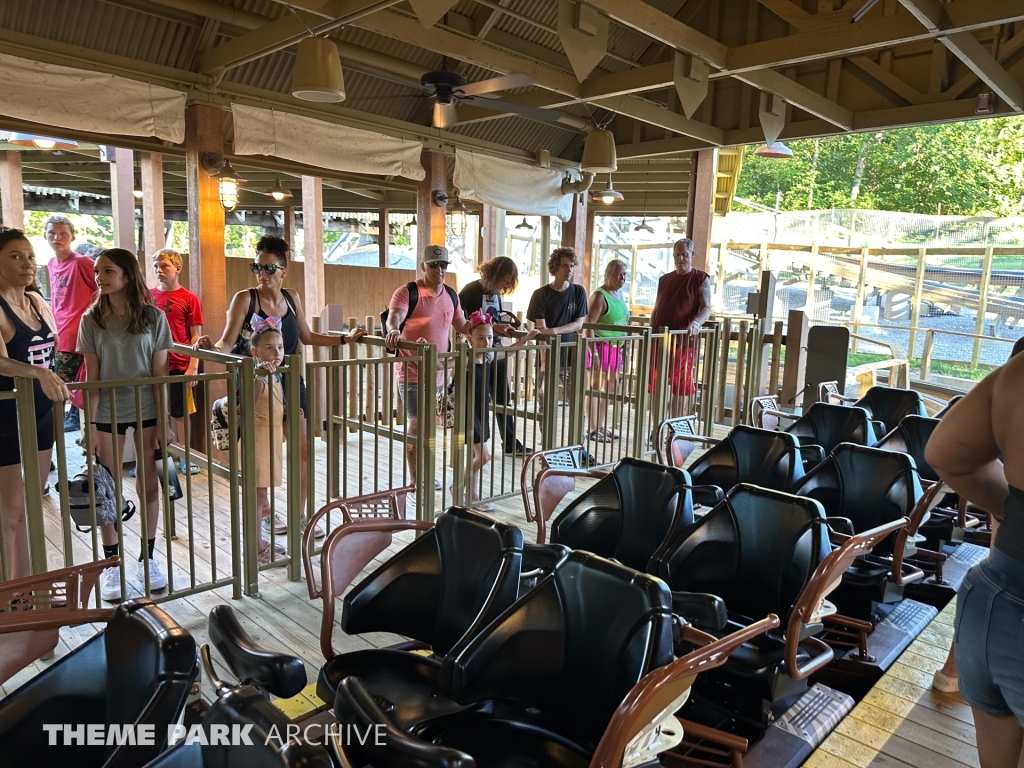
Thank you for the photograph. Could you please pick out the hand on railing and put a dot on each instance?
(354, 335)
(52, 385)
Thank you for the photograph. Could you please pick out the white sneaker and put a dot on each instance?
(945, 683)
(157, 580)
(280, 523)
(318, 530)
(110, 584)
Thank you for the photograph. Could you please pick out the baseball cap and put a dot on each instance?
(435, 253)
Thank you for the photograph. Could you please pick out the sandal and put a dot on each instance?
(599, 437)
(610, 433)
(266, 554)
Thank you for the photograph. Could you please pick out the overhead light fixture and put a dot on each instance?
(41, 142)
(413, 222)
(278, 192)
(137, 189)
(609, 194)
(643, 226)
(777, 150)
(227, 178)
(599, 152)
(457, 209)
(524, 224)
(317, 73)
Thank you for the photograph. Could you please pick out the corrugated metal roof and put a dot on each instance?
(104, 27)
(521, 133)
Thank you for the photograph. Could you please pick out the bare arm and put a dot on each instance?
(52, 386)
(232, 327)
(964, 452)
(92, 373)
(160, 369)
(461, 324)
(598, 306)
(306, 336)
(705, 306)
(194, 333)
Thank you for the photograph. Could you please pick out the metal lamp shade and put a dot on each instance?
(599, 153)
(317, 74)
(777, 150)
(41, 142)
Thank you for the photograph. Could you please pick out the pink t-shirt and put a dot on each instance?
(430, 320)
(72, 291)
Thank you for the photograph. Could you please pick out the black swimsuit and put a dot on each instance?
(1011, 532)
(34, 347)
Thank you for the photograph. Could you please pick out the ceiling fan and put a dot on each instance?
(449, 88)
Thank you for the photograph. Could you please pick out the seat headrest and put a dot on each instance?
(146, 650)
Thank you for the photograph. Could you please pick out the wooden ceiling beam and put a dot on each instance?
(934, 17)
(835, 36)
(800, 96)
(284, 32)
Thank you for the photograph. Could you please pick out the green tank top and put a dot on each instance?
(617, 313)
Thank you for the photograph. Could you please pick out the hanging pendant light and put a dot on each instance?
(609, 194)
(317, 75)
(278, 192)
(524, 224)
(599, 152)
(643, 226)
(41, 142)
(776, 150)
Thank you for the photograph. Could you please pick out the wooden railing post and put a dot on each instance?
(858, 305)
(926, 354)
(986, 280)
(915, 307)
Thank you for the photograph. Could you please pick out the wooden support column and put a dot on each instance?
(289, 224)
(430, 218)
(313, 245)
(383, 236)
(152, 210)
(122, 199)
(488, 233)
(12, 196)
(574, 235)
(701, 205)
(207, 270)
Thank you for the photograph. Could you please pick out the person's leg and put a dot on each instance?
(410, 448)
(999, 739)
(12, 497)
(409, 393)
(151, 492)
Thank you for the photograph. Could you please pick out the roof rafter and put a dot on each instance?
(966, 47)
(286, 31)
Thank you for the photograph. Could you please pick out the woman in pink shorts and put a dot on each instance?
(606, 357)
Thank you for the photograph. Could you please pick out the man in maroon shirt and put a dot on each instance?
(683, 303)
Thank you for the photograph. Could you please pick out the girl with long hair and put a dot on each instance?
(28, 340)
(124, 336)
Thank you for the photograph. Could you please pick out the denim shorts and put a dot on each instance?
(409, 394)
(989, 636)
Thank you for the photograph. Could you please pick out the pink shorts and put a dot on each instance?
(610, 353)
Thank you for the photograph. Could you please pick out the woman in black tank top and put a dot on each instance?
(978, 450)
(272, 300)
(27, 343)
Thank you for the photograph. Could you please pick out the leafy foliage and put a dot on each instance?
(970, 168)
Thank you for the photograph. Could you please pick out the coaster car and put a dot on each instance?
(886, 405)
(578, 672)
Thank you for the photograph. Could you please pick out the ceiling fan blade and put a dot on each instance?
(445, 115)
(557, 117)
(502, 83)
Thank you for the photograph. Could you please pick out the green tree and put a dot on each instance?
(970, 168)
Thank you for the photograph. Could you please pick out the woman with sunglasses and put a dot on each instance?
(270, 299)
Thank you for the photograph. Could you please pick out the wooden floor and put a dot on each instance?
(902, 721)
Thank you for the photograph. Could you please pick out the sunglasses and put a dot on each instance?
(436, 265)
(267, 268)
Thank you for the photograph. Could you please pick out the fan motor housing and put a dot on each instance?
(443, 84)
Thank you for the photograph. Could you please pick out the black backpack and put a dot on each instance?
(414, 297)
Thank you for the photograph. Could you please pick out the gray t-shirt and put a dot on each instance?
(124, 356)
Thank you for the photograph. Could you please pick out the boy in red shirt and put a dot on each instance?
(185, 317)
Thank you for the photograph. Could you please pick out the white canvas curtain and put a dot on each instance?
(66, 97)
(512, 186)
(324, 145)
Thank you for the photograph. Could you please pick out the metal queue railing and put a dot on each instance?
(608, 393)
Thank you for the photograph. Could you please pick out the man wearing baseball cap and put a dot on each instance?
(435, 309)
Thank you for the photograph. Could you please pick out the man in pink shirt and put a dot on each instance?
(72, 292)
(436, 310)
